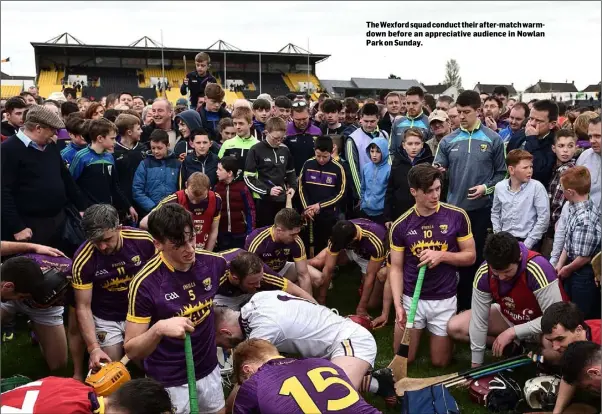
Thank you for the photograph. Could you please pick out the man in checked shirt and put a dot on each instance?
(582, 242)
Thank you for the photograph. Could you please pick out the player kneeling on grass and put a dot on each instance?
(247, 275)
(102, 270)
(360, 241)
(562, 324)
(438, 236)
(66, 395)
(521, 282)
(270, 383)
(27, 288)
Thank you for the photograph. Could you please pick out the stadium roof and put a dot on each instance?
(393, 84)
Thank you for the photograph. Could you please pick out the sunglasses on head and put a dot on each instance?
(299, 104)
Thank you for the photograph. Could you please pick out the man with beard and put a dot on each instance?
(414, 118)
(492, 109)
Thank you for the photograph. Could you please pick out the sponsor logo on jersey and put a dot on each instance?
(171, 296)
(101, 272)
(509, 303)
(412, 233)
(114, 265)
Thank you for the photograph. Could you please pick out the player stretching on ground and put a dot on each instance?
(247, 275)
(361, 241)
(281, 248)
(438, 236)
(66, 395)
(171, 295)
(271, 383)
(102, 270)
(521, 282)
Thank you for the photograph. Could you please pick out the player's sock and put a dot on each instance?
(369, 384)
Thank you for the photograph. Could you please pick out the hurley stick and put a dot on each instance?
(194, 405)
(399, 365)
(311, 239)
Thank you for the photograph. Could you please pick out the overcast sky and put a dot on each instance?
(570, 51)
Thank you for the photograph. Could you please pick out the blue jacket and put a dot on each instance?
(206, 164)
(374, 180)
(155, 179)
(399, 127)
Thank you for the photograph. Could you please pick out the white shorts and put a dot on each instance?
(354, 341)
(287, 266)
(52, 316)
(209, 392)
(361, 262)
(109, 333)
(233, 302)
(432, 314)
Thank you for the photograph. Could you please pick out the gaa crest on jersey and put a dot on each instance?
(483, 147)
(443, 228)
(508, 303)
(101, 335)
(207, 284)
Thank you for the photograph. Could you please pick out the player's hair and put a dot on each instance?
(198, 183)
(252, 350)
(549, 106)
(224, 123)
(262, 104)
(577, 178)
(246, 264)
(160, 136)
(244, 113)
(564, 133)
(16, 102)
(229, 164)
(501, 250)
(501, 90)
(202, 57)
(496, 100)
(515, 156)
(215, 92)
(99, 218)
(223, 315)
(288, 218)
(566, 314)
(169, 222)
(76, 124)
(343, 233)
(413, 131)
(100, 128)
(469, 98)
(415, 91)
(577, 357)
(423, 176)
(283, 102)
(23, 272)
(275, 123)
(324, 143)
(126, 122)
(142, 396)
(331, 105)
(370, 109)
(446, 98)
(68, 108)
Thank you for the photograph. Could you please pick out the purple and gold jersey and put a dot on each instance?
(46, 262)
(442, 230)
(109, 276)
(312, 385)
(270, 280)
(370, 246)
(275, 255)
(161, 292)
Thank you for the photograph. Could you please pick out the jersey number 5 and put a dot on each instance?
(293, 387)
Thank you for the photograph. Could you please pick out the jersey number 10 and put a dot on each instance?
(293, 387)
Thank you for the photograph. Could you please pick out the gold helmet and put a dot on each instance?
(109, 378)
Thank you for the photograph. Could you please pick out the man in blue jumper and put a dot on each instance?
(415, 118)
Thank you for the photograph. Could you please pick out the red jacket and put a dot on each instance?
(238, 208)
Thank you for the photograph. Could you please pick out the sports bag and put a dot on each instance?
(435, 399)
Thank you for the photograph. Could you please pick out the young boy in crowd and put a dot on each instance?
(520, 204)
(240, 145)
(201, 159)
(262, 108)
(212, 111)
(270, 172)
(331, 125)
(398, 198)
(93, 168)
(375, 176)
(322, 187)
(282, 108)
(77, 127)
(237, 217)
(565, 146)
(157, 176)
(187, 121)
(15, 108)
(226, 130)
(582, 242)
(129, 152)
(197, 80)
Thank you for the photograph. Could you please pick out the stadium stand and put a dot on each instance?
(300, 81)
(7, 91)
